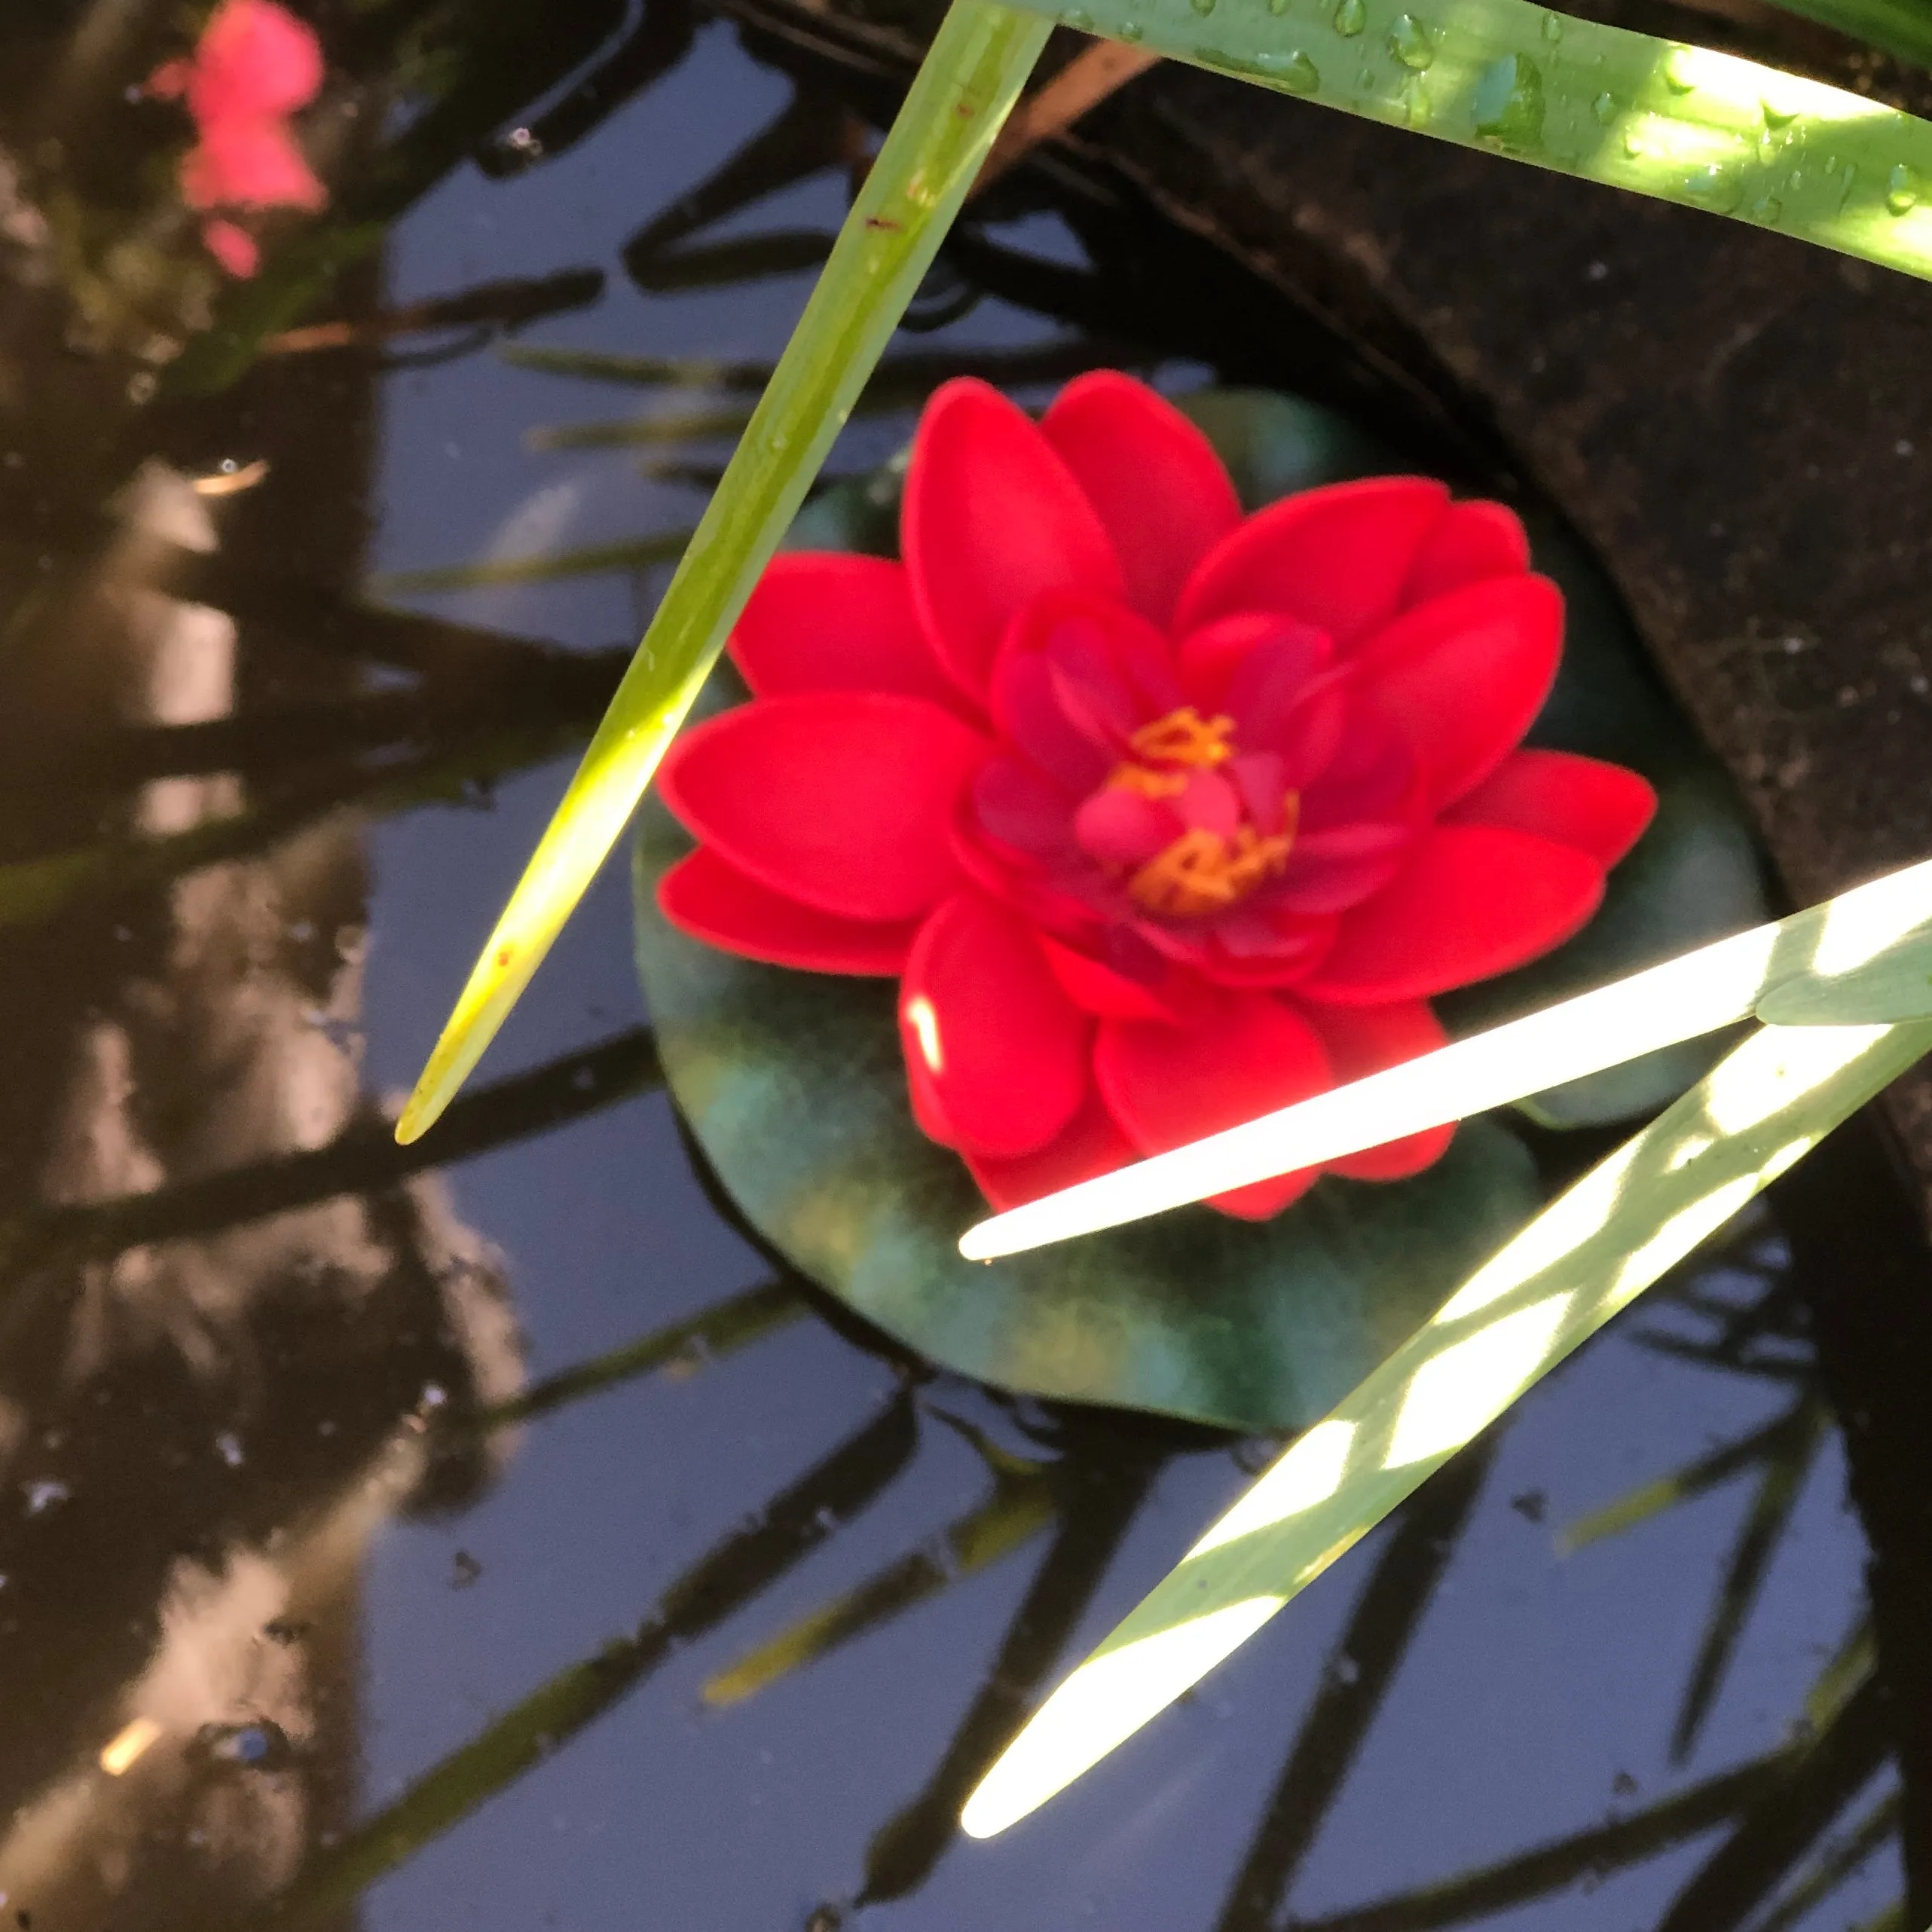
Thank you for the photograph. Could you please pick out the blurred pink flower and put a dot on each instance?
(254, 65)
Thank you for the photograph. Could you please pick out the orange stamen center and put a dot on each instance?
(1200, 871)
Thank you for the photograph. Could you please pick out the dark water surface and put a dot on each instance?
(357, 1647)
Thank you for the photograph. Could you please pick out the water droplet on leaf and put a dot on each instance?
(1131, 32)
(1604, 107)
(1203, 7)
(1718, 188)
(1552, 28)
(1508, 103)
(1351, 16)
(1903, 186)
(1767, 208)
(1677, 74)
(1412, 41)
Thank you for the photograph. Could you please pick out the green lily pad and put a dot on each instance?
(792, 1084)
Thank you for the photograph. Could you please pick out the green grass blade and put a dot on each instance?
(1836, 1863)
(1902, 28)
(1588, 1255)
(1681, 124)
(722, 1329)
(1019, 1509)
(1551, 1867)
(1765, 1524)
(1681, 1485)
(979, 61)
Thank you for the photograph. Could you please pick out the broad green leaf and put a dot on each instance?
(1681, 124)
(793, 1085)
(978, 63)
(1586, 1257)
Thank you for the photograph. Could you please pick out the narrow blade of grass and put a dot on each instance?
(1694, 1479)
(1588, 1255)
(1837, 1863)
(1019, 1509)
(1786, 1468)
(716, 1332)
(979, 61)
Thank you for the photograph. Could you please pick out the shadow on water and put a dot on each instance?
(242, 1335)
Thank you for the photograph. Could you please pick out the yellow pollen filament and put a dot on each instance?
(1185, 738)
(1146, 781)
(1202, 872)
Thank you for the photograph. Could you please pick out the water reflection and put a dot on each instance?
(734, 1575)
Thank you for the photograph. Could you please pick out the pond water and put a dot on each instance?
(322, 1599)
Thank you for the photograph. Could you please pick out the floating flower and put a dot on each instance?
(1162, 816)
(254, 65)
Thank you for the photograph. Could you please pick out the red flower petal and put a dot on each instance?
(1472, 900)
(1336, 557)
(1465, 675)
(711, 899)
(1473, 541)
(1168, 1085)
(992, 516)
(234, 248)
(1097, 988)
(1596, 807)
(248, 164)
(826, 621)
(254, 60)
(996, 1053)
(1363, 1039)
(1090, 1145)
(1159, 488)
(842, 799)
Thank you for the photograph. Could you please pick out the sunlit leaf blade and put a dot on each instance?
(1682, 123)
(1020, 1507)
(1694, 1479)
(978, 63)
(1586, 1257)
(1360, 1668)
(1714, 986)
(1895, 985)
(1769, 1516)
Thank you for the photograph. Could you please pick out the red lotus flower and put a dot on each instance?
(1162, 818)
(254, 65)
